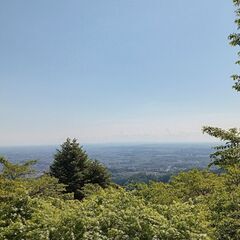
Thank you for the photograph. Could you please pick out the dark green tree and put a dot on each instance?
(96, 173)
(73, 168)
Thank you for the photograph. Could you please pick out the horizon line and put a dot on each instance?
(112, 143)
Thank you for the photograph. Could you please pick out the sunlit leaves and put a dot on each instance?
(229, 153)
(235, 41)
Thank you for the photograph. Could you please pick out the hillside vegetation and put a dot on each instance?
(193, 205)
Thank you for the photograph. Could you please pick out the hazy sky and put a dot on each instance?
(115, 70)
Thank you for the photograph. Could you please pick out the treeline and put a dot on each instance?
(77, 200)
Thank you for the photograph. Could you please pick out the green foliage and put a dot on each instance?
(47, 186)
(195, 183)
(69, 165)
(225, 211)
(109, 214)
(154, 192)
(19, 180)
(96, 173)
(13, 171)
(74, 169)
(224, 202)
(120, 215)
(90, 189)
(18, 188)
(235, 41)
(193, 205)
(216, 195)
(228, 154)
(232, 177)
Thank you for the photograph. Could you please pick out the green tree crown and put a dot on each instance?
(74, 168)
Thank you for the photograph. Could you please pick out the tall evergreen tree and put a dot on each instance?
(73, 168)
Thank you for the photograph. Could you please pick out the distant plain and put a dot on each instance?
(126, 162)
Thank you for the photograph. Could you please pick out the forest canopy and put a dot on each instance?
(197, 204)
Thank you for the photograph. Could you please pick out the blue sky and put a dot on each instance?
(115, 71)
